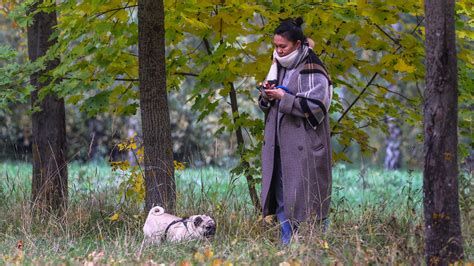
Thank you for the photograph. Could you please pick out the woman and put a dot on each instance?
(296, 153)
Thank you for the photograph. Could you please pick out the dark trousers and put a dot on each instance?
(277, 187)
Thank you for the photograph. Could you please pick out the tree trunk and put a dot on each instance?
(443, 240)
(133, 127)
(240, 142)
(49, 182)
(238, 133)
(393, 155)
(159, 170)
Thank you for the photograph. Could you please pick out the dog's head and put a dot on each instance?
(203, 225)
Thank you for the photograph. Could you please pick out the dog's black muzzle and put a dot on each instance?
(210, 230)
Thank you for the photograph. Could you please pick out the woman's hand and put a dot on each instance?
(275, 93)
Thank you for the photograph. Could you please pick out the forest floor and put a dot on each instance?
(376, 217)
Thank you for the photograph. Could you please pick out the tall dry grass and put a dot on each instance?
(376, 218)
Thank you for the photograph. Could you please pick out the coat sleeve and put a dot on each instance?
(317, 96)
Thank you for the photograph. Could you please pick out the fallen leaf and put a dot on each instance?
(280, 253)
(208, 253)
(185, 263)
(324, 244)
(114, 217)
(19, 245)
(217, 262)
(295, 263)
(199, 257)
(269, 219)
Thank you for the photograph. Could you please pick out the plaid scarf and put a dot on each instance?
(315, 99)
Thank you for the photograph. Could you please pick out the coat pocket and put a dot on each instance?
(314, 139)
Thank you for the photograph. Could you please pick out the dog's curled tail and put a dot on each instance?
(157, 210)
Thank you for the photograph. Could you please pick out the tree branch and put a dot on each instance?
(417, 25)
(115, 9)
(418, 89)
(396, 41)
(263, 22)
(394, 92)
(121, 79)
(245, 52)
(355, 100)
(238, 133)
(186, 74)
(195, 49)
(208, 46)
(371, 123)
(370, 82)
(116, 79)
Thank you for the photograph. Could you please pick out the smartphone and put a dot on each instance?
(271, 82)
(261, 89)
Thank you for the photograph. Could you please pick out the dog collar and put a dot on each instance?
(184, 221)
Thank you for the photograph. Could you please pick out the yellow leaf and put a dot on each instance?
(402, 66)
(269, 219)
(122, 165)
(178, 165)
(199, 257)
(294, 262)
(114, 217)
(217, 262)
(185, 263)
(121, 146)
(324, 244)
(208, 253)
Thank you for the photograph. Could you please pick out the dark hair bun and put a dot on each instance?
(292, 21)
(299, 21)
(290, 28)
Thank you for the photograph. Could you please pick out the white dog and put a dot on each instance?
(160, 226)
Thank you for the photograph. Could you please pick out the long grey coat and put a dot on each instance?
(305, 154)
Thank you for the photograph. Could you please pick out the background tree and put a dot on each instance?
(393, 155)
(443, 240)
(49, 184)
(159, 169)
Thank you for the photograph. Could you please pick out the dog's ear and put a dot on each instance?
(197, 221)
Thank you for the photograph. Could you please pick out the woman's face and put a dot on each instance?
(284, 46)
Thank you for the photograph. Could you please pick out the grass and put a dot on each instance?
(376, 219)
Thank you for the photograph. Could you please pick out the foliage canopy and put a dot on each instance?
(374, 53)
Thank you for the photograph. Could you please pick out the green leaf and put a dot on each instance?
(96, 104)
